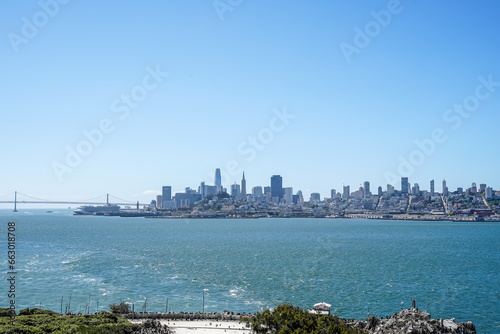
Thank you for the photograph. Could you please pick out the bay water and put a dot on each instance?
(451, 269)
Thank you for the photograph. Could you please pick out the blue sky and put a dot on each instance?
(356, 116)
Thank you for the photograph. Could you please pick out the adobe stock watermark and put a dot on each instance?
(453, 116)
(363, 36)
(223, 6)
(31, 26)
(122, 107)
(249, 148)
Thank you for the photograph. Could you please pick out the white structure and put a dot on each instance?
(321, 308)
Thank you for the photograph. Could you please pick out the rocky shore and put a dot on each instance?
(411, 321)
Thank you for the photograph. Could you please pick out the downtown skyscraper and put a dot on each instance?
(218, 180)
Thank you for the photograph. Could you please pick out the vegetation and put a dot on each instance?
(286, 319)
(36, 321)
(122, 308)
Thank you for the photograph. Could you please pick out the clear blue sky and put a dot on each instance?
(356, 113)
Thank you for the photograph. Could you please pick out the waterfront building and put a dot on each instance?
(277, 187)
(218, 180)
(185, 199)
(347, 192)
(289, 195)
(432, 187)
(159, 201)
(169, 204)
(404, 185)
(366, 189)
(243, 188)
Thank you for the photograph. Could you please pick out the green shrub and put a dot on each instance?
(122, 308)
(286, 319)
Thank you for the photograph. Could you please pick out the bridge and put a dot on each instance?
(92, 201)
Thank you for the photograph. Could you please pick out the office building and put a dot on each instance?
(159, 201)
(166, 193)
(333, 192)
(301, 197)
(235, 190)
(277, 187)
(445, 188)
(315, 197)
(202, 190)
(243, 187)
(366, 189)
(415, 191)
(489, 193)
(218, 180)
(257, 191)
(380, 191)
(267, 190)
(289, 195)
(432, 187)
(404, 185)
(347, 192)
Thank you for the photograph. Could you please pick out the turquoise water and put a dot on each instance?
(451, 269)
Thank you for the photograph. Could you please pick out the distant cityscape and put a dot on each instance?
(274, 200)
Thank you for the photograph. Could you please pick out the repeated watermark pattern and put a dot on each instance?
(250, 147)
(453, 116)
(223, 6)
(372, 29)
(121, 106)
(31, 26)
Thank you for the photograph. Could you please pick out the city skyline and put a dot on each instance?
(324, 94)
(282, 190)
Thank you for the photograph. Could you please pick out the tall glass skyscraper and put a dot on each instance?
(218, 180)
(277, 186)
(166, 193)
(404, 185)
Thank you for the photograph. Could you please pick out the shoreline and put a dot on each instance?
(201, 326)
